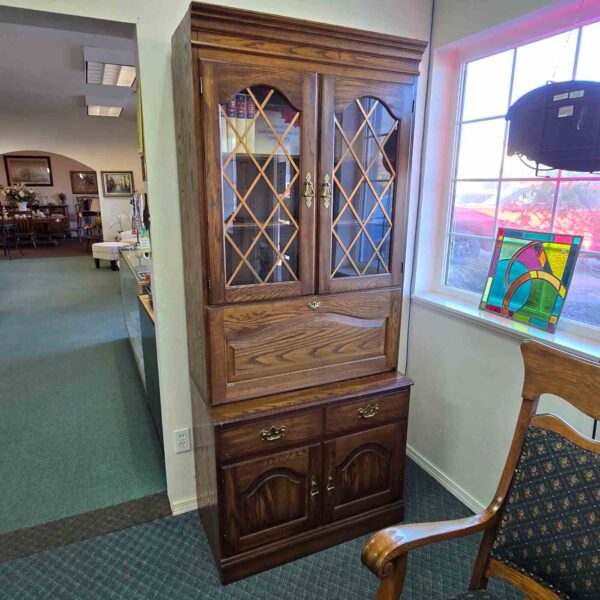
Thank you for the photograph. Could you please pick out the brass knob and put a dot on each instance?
(326, 191)
(275, 433)
(314, 305)
(309, 190)
(369, 411)
(314, 487)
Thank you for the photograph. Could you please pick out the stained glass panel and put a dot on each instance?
(529, 276)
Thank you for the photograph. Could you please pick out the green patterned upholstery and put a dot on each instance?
(479, 595)
(550, 527)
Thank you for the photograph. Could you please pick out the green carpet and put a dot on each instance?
(75, 433)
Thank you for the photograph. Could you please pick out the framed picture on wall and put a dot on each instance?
(117, 183)
(84, 182)
(28, 170)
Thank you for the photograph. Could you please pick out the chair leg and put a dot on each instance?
(113, 265)
(97, 261)
(391, 584)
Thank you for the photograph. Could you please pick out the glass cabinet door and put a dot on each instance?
(364, 169)
(260, 187)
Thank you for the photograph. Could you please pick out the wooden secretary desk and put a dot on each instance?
(294, 146)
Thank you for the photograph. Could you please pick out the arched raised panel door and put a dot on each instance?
(271, 498)
(363, 471)
(366, 130)
(260, 132)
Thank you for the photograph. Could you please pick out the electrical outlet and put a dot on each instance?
(182, 440)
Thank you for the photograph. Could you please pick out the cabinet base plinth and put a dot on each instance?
(261, 559)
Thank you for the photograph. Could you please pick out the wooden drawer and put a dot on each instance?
(365, 413)
(273, 347)
(270, 435)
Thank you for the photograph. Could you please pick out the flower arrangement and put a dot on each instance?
(18, 193)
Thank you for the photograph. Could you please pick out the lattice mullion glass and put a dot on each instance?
(363, 190)
(260, 165)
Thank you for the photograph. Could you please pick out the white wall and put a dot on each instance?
(468, 378)
(156, 20)
(103, 144)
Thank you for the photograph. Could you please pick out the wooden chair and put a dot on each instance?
(24, 230)
(58, 227)
(8, 240)
(89, 227)
(542, 529)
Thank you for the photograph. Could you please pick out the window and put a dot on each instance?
(491, 190)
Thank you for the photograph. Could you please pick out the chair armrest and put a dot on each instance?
(388, 544)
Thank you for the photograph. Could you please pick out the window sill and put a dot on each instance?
(570, 342)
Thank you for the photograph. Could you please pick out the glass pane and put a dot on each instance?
(481, 146)
(260, 165)
(550, 59)
(578, 212)
(526, 205)
(588, 66)
(517, 168)
(475, 207)
(363, 188)
(487, 86)
(468, 262)
(583, 299)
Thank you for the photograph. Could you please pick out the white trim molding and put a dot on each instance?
(183, 506)
(586, 347)
(469, 501)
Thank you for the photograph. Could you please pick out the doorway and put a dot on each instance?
(79, 432)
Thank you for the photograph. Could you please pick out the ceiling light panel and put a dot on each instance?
(104, 111)
(110, 74)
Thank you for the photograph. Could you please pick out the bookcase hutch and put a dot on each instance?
(294, 146)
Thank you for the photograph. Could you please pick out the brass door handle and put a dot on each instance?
(369, 411)
(314, 305)
(326, 191)
(314, 487)
(309, 190)
(275, 433)
(330, 485)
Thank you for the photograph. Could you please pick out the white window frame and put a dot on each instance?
(446, 85)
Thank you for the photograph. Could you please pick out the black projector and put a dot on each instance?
(558, 126)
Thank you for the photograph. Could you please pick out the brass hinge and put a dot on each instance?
(209, 282)
(200, 83)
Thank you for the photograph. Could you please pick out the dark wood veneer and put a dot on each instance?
(299, 412)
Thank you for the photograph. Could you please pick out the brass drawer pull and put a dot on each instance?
(273, 434)
(326, 192)
(309, 190)
(369, 411)
(330, 485)
(314, 305)
(314, 487)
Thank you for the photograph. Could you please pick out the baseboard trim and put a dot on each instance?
(183, 506)
(445, 481)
